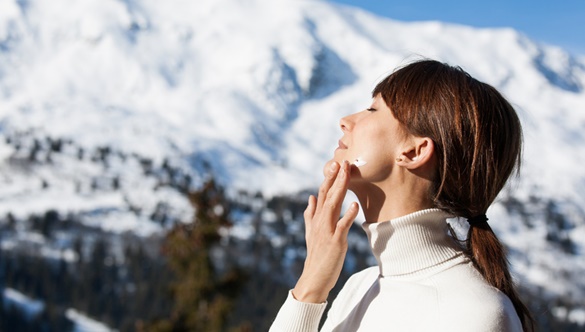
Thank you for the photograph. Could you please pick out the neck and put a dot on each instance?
(381, 203)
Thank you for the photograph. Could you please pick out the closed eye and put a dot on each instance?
(371, 109)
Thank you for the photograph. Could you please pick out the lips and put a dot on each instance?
(341, 145)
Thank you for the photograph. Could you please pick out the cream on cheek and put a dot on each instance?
(359, 162)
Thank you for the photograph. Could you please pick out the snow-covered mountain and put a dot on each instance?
(111, 95)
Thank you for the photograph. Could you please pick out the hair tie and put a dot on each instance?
(474, 221)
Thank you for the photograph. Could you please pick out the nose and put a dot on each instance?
(345, 123)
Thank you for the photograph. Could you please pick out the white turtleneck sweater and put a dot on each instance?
(423, 282)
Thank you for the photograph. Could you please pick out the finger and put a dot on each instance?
(338, 190)
(344, 224)
(308, 214)
(310, 210)
(326, 185)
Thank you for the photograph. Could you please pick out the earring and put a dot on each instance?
(398, 159)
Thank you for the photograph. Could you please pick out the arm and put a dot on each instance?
(326, 237)
(298, 316)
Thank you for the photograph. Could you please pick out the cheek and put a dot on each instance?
(378, 160)
(370, 151)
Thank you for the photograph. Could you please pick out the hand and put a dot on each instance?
(326, 236)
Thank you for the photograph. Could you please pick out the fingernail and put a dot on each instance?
(343, 168)
(333, 167)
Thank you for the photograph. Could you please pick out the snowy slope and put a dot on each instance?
(32, 308)
(254, 90)
(249, 83)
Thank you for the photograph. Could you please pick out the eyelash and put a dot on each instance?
(371, 109)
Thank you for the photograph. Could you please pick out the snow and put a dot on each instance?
(29, 306)
(32, 308)
(83, 323)
(574, 316)
(141, 77)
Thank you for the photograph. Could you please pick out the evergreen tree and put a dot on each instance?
(203, 294)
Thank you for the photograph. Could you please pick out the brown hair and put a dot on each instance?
(478, 141)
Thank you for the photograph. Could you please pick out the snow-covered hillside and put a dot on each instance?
(253, 90)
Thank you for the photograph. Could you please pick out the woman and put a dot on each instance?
(434, 144)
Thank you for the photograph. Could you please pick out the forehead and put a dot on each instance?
(378, 102)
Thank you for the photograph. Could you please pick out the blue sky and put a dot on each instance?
(559, 23)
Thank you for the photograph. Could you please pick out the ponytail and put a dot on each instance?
(488, 255)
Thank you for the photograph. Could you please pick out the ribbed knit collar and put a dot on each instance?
(411, 243)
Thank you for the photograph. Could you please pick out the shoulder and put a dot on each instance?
(469, 303)
(367, 275)
(353, 290)
(359, 283)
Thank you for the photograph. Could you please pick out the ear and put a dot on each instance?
(417, 153)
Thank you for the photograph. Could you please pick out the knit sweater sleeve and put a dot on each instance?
(296, 316)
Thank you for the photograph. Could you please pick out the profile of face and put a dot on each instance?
(374, 136)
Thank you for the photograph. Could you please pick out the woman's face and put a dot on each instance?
(373, 135)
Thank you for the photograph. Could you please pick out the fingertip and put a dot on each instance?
(343, 170)
(352, 207)
(310, 207)
(353, 210)
(333, 167)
